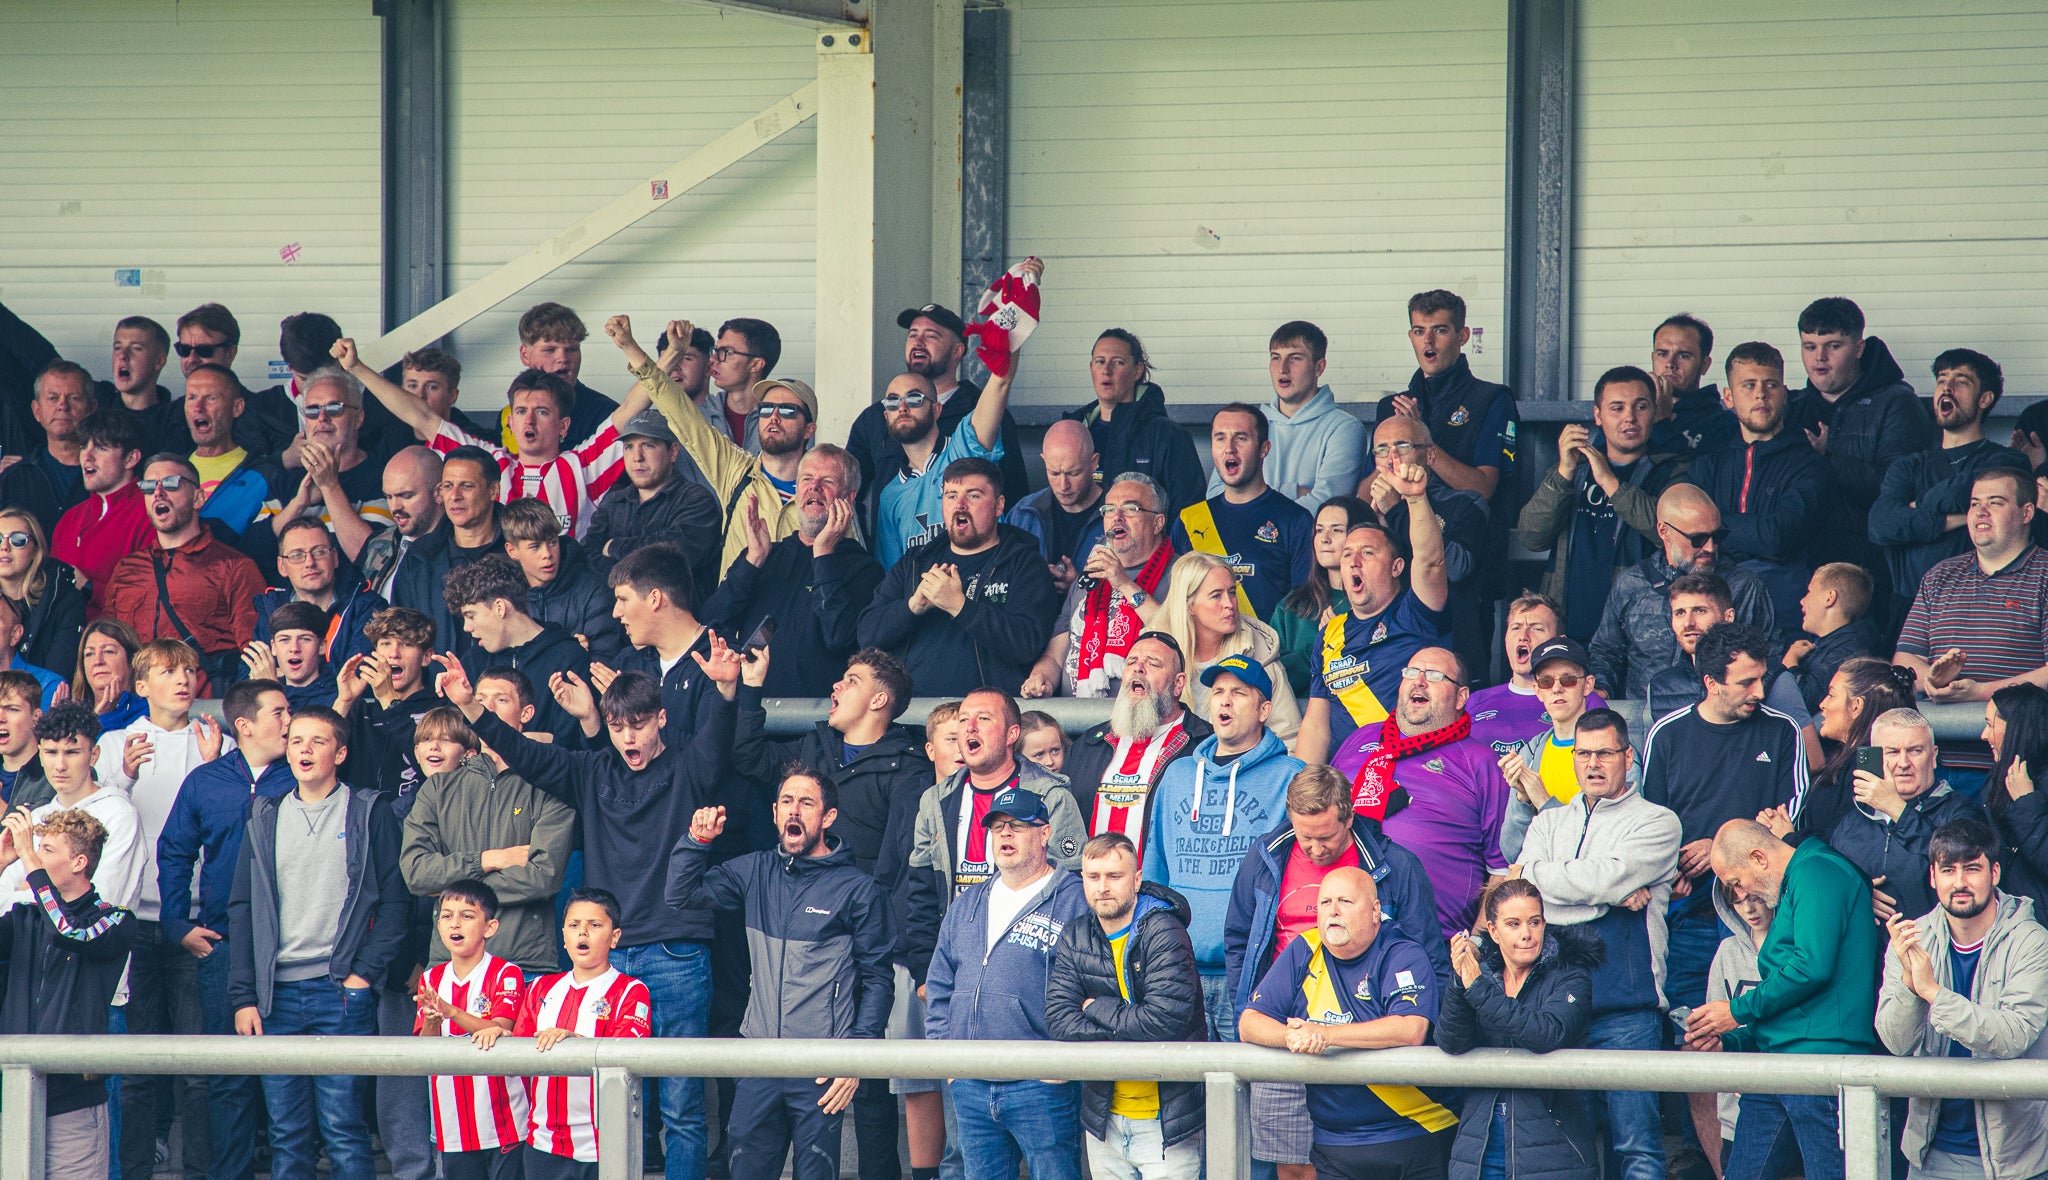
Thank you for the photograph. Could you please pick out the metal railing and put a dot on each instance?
(1861, 1083)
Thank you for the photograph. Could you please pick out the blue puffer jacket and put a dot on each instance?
(976, 994)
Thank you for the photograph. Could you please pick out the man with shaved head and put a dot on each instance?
(1063, 515)
(1437, 791)
(1634, 640)
(1468, 539)
(408, 561)
(1818, 991)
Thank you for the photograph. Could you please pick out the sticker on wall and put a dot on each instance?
(289, 252)
(279, 371)
(128, 278)
(1479, 341)
(658, 189)
(1207, 238)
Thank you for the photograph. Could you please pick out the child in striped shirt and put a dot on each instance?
(479, 1122)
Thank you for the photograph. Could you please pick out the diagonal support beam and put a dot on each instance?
(851, 13)
(572, 243)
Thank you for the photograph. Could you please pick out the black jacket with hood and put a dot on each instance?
(1548, 1130)
(580, 602)
(1012, 605)
(1165, 1003)
(553, 650)
(816, 603)
(1772, 496)
(1875, 423)
(1142, 438)
(64, 960)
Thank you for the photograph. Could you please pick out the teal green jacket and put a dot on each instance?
(1819, 964)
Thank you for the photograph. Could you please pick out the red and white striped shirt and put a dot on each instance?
(571, 483)
(564, 1118)
(474, 1113)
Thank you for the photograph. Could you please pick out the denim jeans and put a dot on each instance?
(1217, 1007)
(1003, 1122)
(1135, 1149)
(234, 1108)
(1634, 1124)
(1774, 1130)
(1694, 934)
(678, 978)
(1495, 1164)
(306, 1112)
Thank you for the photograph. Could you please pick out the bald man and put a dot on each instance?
(407, 560)
(1355, 982)
(1065, 515)
(1818, 991)
(1635, 641)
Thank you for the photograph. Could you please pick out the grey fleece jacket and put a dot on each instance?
(1733, 972)
(460, 814)
(2001, 1019)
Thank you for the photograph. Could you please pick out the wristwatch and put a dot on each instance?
(1137, 598)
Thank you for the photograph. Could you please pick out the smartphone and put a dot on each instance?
(1679, 1017)
(762, 636)
(1870, 758)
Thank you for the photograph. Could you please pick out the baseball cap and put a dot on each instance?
(649, 423)
(937, 313)
(1560, 648)
(1244, 668)
(1027, 807)
(802, 391)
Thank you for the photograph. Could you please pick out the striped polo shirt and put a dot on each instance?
(1999, 619)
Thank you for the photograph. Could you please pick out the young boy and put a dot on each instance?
(64, 739)
(292, 657)
(563, 589)
(591, 999)
(479, 1122)
(1734, 971)
(64, 954)
(1044, 742)
(1833, 612)
(394, 677)
(21, 776)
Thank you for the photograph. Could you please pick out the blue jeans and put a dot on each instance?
(1634, 1124)
(678, 978)
(1694, 933)
(1775, 1130)
(233, 1104)
(1495, 1164)
(1218, 1008)
(306, 1112)
(1003, 1122)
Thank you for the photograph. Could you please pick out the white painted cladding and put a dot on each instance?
(1741, 159)
(191, 141)
(1200, 172)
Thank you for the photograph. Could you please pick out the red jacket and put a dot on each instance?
(213, 587)
(91, 537)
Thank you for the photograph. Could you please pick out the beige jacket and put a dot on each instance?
(726, 464)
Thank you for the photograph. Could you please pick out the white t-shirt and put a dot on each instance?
(1005, 903)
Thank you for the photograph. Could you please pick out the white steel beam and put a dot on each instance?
(661, 188)
(846, 230)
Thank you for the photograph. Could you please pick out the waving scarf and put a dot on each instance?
(1108, 630)
(1009, 312)
(1374, 793)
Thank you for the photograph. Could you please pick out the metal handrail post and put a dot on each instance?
(618, 1124)
(24, 1095)
(1229, 1131)
(1866, 1133)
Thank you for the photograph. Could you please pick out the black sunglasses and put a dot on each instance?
(1698, 539)
(203, 351)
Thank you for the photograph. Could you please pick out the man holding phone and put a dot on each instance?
(1899, 803)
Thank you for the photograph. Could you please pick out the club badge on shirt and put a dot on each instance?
(1460, 416)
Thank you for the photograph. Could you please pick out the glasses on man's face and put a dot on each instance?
(1700, 540)
(169, 483)
(203, 351)
(1128, 511)
(1561, 680)
(782, 410)
(1431, 675)
(1399, 450)
(17, 540)
(314, 413)
(725, 353)
(905, 401)
(1009, 827)
(1596, 754)
(303, 556)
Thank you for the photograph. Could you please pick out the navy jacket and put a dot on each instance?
(27, 485)
(1407, 899)
(1772, 496)
(579, 602)
(354, 607)
(816, 603)
(1897, 849)
(1011, 607)
(209, 817)
(1142, 438)
(975, 993)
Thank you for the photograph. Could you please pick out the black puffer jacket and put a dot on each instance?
(579, 602)
(50, 628)
(1896, 849)
(2023, 846)
(1875, 423)
(1165, 1003)
(1548, 1130)
(1143, 439)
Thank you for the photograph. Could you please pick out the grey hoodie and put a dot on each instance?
(2001, 1019)
(1318, 453)
(1734, 971)
(1589, 854)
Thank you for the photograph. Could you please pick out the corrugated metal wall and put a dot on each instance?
(1202, 172)
(1740, 160)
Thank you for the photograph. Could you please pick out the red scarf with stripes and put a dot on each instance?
(1374, 793)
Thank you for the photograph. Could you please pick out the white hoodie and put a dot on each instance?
(175, 754)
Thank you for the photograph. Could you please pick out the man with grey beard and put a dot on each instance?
(814, 583)
(1113, 768)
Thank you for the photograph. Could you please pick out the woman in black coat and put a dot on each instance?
(44, 592)
(2016, 728)
(1526, 987)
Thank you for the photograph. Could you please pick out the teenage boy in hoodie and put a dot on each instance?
(490, 597)
(988, 981)
(1774, 489)
(291, 656)
(64, 953)
(394, 679)
(1317, 447)
(1130, 976)
(819, 929)
(1208, 810)
(1968, 980)
(311, 562)
(1836, 613)
(561, 587)
(633, 800)
(1605, 860)
(317, 917)
(203, 836)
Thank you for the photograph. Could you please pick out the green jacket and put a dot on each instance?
(1819, 964)
(1301, 642)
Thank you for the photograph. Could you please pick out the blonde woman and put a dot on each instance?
(44, 592)
(1199, 609)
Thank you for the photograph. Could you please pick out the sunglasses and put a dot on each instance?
(1698, 539)
(169, 483)
(905, 401)
(203, 351)
(17, 540)
(782, 410)
(330, 410)
(1562, 680)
